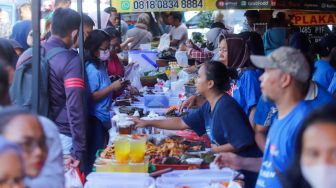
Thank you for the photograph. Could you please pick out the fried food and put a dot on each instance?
(108, 152)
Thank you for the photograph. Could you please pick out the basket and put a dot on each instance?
(162, 62)
(148, 81)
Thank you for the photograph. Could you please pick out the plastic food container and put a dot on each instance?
(156, 101)
(196, 161)
(193, 177)
(119, 180)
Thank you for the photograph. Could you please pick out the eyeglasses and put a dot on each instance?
(29, 145)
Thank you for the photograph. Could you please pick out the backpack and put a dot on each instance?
(21, 90)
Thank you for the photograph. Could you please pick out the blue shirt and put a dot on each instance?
(247, 90)
(227, 123)
(98, 79)
(324, 73)
(279, 149)
(266, 112)
(332, 86)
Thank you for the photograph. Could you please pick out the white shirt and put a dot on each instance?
(179, 33)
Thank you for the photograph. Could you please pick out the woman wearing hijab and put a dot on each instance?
(24, 128)
(11, 171)
(234, 53)
(140, 32)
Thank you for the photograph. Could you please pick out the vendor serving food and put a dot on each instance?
(221, 117)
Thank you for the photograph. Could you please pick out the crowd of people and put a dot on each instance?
(265, 98)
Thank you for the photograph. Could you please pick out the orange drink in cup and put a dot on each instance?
(138, 148)
(125, 127)
(122, 149)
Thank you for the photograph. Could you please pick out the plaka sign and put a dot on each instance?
(314, 19)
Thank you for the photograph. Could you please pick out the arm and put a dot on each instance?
(222, 148)
(170, 124)
(260, 136)
(75, 91)
(251, 117)
(236, 162)
(124, 45)
(196, 101)
(100, 94)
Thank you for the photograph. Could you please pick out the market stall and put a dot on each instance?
(163, 84)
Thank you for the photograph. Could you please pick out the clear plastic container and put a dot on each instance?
(193, 177)
(156, 101)
(119, 180)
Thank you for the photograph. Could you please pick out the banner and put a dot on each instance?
(163, 5)
(126, 6)
(323, 5)
(314, 19)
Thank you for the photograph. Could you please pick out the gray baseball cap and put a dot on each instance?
(287, 59)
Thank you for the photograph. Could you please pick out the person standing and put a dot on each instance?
(140, 32)
(285, 82)
(22, 28)
(97, 52)
(324, 72)
(66, 85)
(179, 31)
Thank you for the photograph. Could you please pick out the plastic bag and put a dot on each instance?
(74, 179)
(164, 42)
(133, 74)
(182, 58)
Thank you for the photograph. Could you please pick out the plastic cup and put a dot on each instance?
(125, 127)
(138, 149)
(140, 167)
(122, 149)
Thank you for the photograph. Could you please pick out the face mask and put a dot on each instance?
(320, 175)
(104, 55)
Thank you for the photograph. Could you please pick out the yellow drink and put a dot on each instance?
(122, 149)
(167, 72)
(138, 149)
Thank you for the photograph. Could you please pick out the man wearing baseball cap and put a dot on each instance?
(284, 82)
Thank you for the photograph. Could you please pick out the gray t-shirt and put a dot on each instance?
(179, 33)
(141, 36)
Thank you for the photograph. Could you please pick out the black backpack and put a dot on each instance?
(21, 90)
